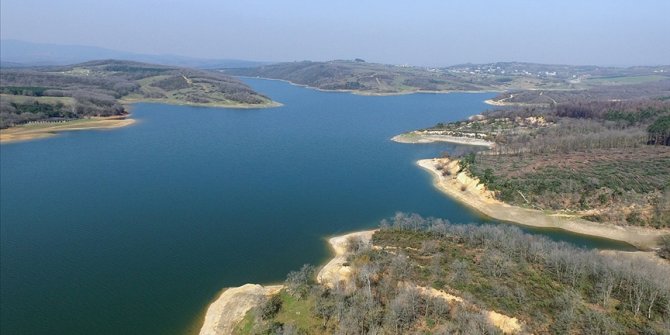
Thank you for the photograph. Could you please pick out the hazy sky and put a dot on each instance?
(612, 32)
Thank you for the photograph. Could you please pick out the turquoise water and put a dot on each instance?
(135, 230)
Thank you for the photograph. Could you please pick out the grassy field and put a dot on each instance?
(297, 312)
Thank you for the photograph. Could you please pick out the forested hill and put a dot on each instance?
(99, 88)
(372, 78)
(360, 76)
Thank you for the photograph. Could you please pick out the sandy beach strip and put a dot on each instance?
(43, 130)
(498, 103)
(336, 272)
(175, 102)
(417, 138)
(470, 192)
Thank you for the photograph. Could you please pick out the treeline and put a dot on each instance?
(654, 114)
(13, 113)
(586, 126)
(551, 287)
(62, 81)
(92, 95)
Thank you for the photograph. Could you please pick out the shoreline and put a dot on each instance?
(230, 308)
(471, 193)
(232, 304)
(416, 138)
(271, 104)
(500, 103)
(335, 272)
(35, 131)
(368, 93)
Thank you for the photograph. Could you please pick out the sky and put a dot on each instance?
(424, 33)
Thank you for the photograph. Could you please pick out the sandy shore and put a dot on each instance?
(43, 130)
(418, 138)
(501, 103)
(271, 104)
(335, 272)
(498, 103)
(469, 192)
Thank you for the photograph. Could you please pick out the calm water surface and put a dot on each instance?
(135, 230)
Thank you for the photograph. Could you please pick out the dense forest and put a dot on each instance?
(428, 276)
(97, 89)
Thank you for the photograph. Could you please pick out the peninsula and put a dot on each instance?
(593, 167)
(417, 274)
(40, 101)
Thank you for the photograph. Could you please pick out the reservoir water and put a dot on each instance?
(136, 230)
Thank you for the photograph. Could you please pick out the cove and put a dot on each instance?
(135, 230)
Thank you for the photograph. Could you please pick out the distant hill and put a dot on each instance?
(360, 76)
(14, 53)
(374, 78)
(98, 88)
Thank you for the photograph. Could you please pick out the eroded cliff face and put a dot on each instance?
(231, 306)
(467, 183)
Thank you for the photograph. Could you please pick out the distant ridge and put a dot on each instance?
(371, 78)
(16, 53)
